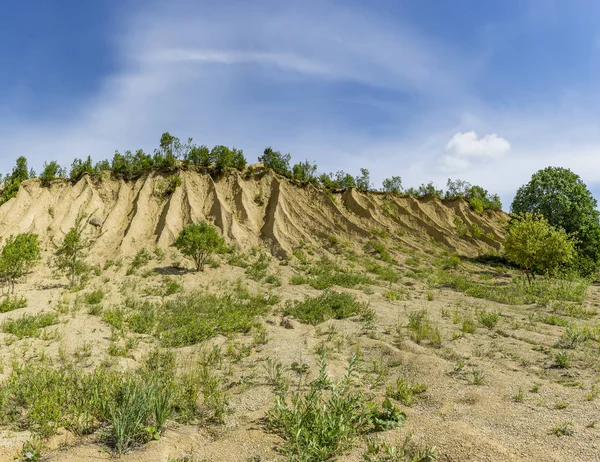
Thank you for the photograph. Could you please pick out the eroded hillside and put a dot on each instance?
(252, 208)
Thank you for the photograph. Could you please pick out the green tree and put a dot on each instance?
(198, 241)
(13, 181)
(223, 157)
(51, 172)
(199, 155)
(69, 258)
(239, 161)
(279, 163)
(305, 171)
(363, 181)
(536, 246)
(392, 185)
(81, 167)
(565, 201)
(18, 256)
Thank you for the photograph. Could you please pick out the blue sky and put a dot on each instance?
(485, 91)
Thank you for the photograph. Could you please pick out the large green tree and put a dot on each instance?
(564, 200)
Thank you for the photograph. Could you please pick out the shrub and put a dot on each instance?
(95, 297)
(536, 246)
(142, 258)
(488, 318)
(328, 305)
(79, 168)
(363, 182)
(51, 172)
(18, 256)
(405, 392)
(199, 155)
(198, 241)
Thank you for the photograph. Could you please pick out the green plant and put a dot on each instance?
(536, 246)
(279, 163)
(477, 376)
(69, 257)
(328, 305)
(320, 423)
(197, 317)
(565, 202)
(402, 390)
(199, 240)
(18, 256)
(561, 360)
(518, 396)
(12, 303)
(115, 317)
(13, 181)
(141, 258)
(51, 171)
(95, 297)
(29, 325)
(488, 318)
(564, 429)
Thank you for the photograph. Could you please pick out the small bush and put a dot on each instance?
(329, 305)
(488, 318)
(95, 297)
(142, 258)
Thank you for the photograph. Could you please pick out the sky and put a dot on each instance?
(485, 91)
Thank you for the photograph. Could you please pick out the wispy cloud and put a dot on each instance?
(343, 86)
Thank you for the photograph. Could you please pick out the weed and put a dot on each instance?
(94, 298)
(518, 396)
(403, 391)
(328, 305)
(196, 317)
(478, 377)
(317, 424)
(29, 325)
(12, 303)
(114, 317)
(561, 360)
(593, 393)
(488, 319)
(564, 429)
(142, 258)
(468, 325)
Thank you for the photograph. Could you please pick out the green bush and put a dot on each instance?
(51, 172)
(19, 254)
(12, 303)
(279, 163)
(29, 325)
(537, 247)
(328, 305)
(198, 241)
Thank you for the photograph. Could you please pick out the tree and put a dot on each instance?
(81, 167)
(199, 155)
(223, 157)
(69, 258)
(536, 246)
(18, 256)
(279, 163)
(565, 201)
(13, 181)
(239, 161)
(51, 172)
(199, 240)
(363, 182)
(392, 185)
(305, 171)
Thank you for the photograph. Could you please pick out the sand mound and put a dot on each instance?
(250, 208)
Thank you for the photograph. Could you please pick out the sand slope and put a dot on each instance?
(250, 208)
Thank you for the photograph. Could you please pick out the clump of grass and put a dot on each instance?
(29, 325)
(488, 319)
(519, 291)
(404, 391)
(518, 396)
(12, 303)
(564, 429)
(468, 325)
(321, 423)
(115, 317)
(421, 328)
(142, 318)
(477, 376)
(380, 451)
(142, 258)
(328, 305)
(94, 298)
(379, 250)
(326, 274)
(197, 317)
(393, 295)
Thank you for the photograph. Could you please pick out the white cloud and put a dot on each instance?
(466, 149)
